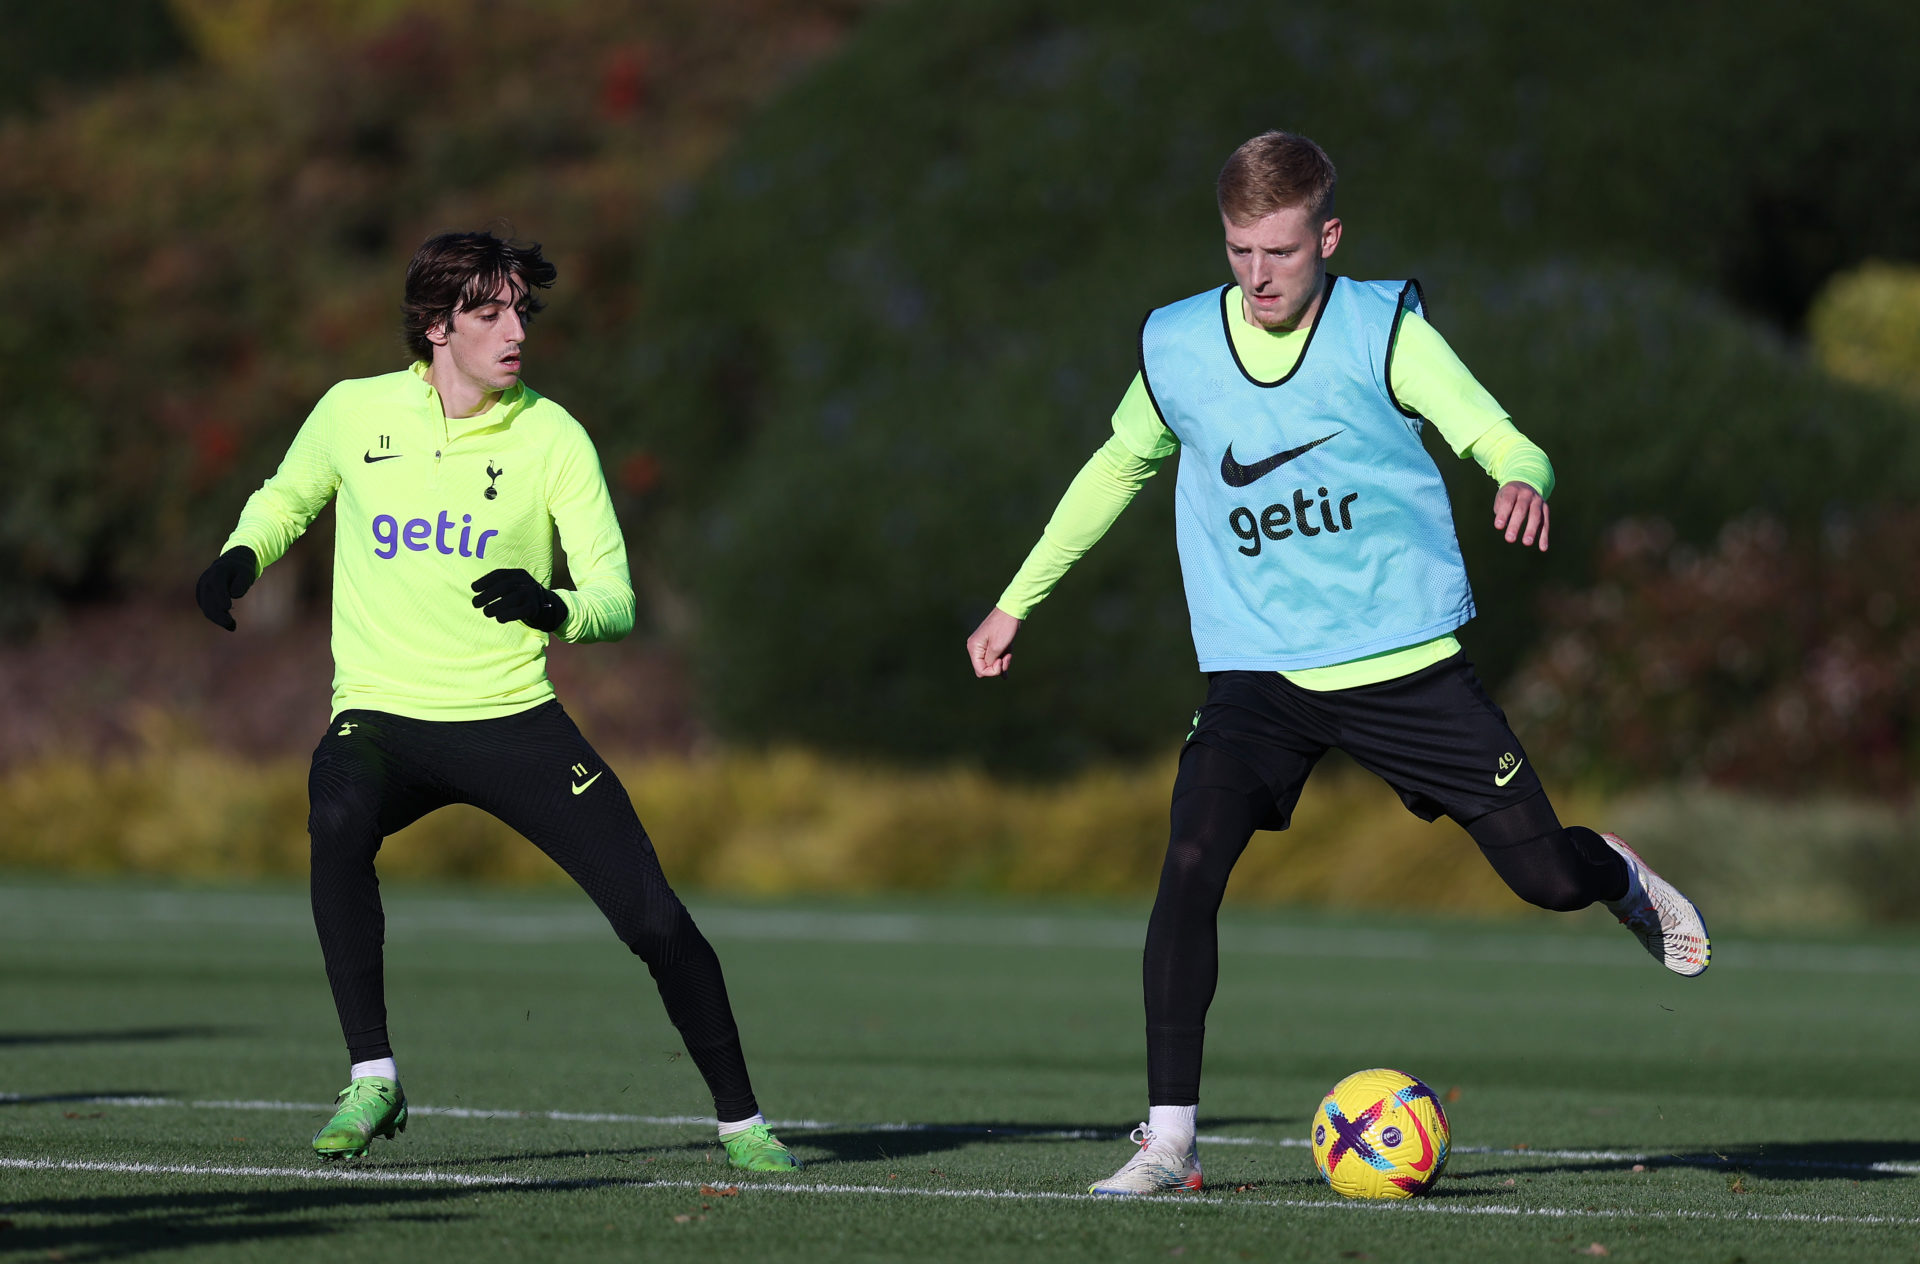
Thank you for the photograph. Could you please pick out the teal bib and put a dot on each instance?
(1313, 527)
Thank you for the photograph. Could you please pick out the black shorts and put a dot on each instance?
(1434, 736)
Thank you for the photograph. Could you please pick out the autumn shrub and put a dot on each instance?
(1774, 660)
(197, 253)
(1865, 327)
(789, 824)
(776, 823)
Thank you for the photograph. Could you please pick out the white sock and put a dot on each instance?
(740, 1125)
(382, 1067)
(1173, 1125)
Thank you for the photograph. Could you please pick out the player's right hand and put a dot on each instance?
(987, 647)
(225, 582)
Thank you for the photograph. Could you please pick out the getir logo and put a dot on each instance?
(1277, 522)
(420, 535)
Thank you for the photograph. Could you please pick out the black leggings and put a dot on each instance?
(1218, 802)
(374, 774)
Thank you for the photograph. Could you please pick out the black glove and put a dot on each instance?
(507, 595)
(225, 582)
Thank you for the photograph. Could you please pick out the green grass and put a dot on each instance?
(1757, 1098)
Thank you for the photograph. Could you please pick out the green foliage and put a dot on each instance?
(1866, 327)
(53, 48)
(201, 254)
(889, 328)
(1651, 400)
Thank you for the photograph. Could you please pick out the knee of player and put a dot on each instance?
(343, 817)
(1556, 894)
(658, 931)
(1186, 860)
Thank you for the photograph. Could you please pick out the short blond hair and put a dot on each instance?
(1274, 171)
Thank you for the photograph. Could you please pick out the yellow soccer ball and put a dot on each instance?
(1380, 1134)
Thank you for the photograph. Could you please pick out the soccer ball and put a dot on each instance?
(1380, 1134)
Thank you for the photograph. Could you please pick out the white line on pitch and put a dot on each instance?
(470, 1181)
(979, 1130)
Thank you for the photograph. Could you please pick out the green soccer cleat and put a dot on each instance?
(758, 1150)
(367, 1108)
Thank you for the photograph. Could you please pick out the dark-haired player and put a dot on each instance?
(1325, 584)
(450, 478)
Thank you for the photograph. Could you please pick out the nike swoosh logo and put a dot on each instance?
(1426, 1142)
(1498, 780)
(589, 781)
(1415, 1185)
(1234, 474)
(370, 458)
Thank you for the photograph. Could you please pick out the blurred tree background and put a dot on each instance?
(201, 248)
(848, 290)
(895, 319)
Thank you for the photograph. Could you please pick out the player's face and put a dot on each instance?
(483, 345)
(1280, 262)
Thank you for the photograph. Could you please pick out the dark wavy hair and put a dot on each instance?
(456, 272)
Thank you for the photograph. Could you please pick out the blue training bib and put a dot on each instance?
(1313, 527)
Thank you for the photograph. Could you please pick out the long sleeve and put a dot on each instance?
(286, 504)
(600, 605)
(1510, 457)
(1429, 378)
(1104, 487)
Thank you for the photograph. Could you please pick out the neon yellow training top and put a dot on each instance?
(426, 505)
(1427, 377)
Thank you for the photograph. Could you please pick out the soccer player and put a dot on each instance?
(450, 478)
(1324, 583)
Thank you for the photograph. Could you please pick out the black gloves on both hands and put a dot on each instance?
(225, 582)
(507, 595)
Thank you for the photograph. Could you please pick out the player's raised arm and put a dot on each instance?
(273, 518)
(1102, 489)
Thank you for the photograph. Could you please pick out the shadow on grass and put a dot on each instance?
(90, 1097)
(865, 1145)
(130, 1035)
(394, 1157)
(907, 1141)
(1214, 1123)
(1780, 1160)
(138, 1224)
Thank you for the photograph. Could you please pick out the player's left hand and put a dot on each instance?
(509, 594)
(1521, 512)
(225, 582)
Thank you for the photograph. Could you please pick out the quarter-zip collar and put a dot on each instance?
(497, 416)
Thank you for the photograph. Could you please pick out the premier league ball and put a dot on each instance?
(1380, 1134)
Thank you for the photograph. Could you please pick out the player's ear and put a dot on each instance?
(1329, 237)
(437, 333)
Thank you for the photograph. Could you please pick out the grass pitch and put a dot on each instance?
(954, 1075)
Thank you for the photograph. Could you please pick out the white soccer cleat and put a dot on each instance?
(1154, 1168)
(1665, 921)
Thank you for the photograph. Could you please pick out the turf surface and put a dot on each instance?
(962, 1071)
